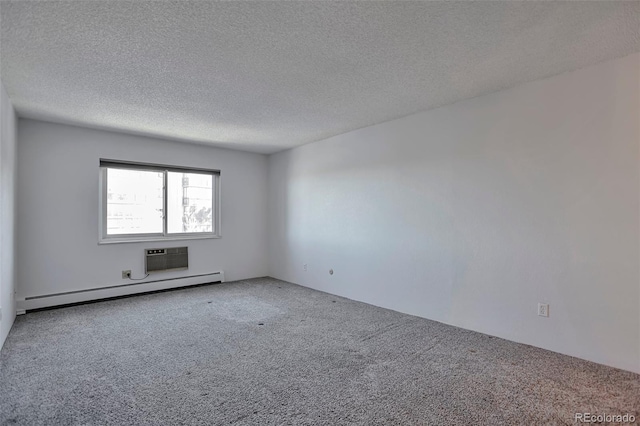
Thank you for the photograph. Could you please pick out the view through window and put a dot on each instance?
(152, 201)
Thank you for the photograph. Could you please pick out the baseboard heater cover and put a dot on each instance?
(85, 295)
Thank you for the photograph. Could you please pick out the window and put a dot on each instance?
(145, 201)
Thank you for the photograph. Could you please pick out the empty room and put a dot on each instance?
(319, 212)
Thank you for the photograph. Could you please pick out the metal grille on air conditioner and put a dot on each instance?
(166, 259)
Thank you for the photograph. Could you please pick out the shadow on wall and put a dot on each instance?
(473, 213)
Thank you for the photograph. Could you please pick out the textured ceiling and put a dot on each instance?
(265, 76)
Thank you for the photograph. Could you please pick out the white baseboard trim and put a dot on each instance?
(86, 295)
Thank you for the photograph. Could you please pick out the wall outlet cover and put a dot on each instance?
(543, 309)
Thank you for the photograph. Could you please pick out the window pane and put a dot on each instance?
(134, 202)
(190, 202)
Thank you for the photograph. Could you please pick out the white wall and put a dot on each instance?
(7, 214)
(58, 170)
(473, 213)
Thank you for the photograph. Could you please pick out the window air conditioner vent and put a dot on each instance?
(166, 259)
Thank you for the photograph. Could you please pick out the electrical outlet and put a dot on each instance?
(543, 309)
(126, 274)
(304, 267)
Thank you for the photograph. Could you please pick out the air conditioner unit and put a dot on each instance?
(166, 259)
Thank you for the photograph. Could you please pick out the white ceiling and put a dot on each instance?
(265, 76)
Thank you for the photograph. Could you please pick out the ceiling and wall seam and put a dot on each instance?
(268, 76)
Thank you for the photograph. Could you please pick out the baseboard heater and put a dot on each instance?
(85, 295)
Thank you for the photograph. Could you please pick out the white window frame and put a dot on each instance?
(103, 238)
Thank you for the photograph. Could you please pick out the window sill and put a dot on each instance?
(156, 239)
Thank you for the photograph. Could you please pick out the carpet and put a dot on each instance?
(268, 352)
